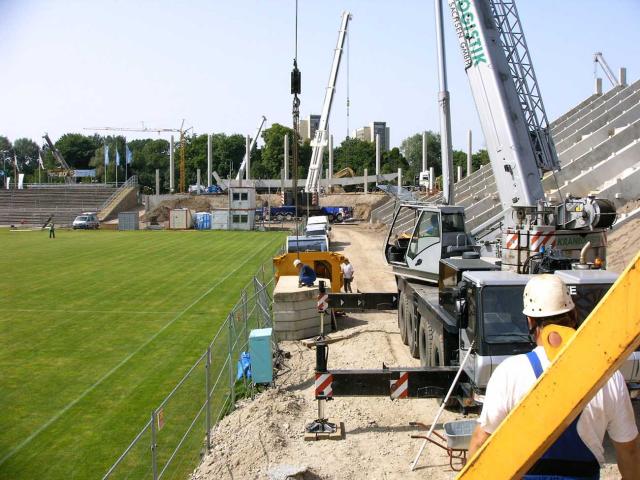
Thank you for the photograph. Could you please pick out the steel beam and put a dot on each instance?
(600, 346)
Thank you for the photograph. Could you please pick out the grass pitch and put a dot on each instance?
(95, 330)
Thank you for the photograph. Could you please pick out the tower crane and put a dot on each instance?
(143, 129)
(321, 137)
(243, 165)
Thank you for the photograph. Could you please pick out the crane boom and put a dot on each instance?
(507, 97)
(322, 135)
(243, 165)
(60, 159)
(598, 58)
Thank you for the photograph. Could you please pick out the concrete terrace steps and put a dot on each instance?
(582, 123)
(34, 205)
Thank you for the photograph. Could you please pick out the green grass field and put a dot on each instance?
(95, 330)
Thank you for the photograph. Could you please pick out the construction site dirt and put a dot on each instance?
(264, 437)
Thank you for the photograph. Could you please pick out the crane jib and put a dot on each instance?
(467, 31)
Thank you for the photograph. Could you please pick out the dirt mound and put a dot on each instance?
(197, 203)
(623, 245)
(362, 203)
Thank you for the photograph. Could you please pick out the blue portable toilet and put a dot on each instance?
(261, 355)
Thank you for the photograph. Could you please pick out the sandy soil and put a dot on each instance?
(624, 244)
(264, 437)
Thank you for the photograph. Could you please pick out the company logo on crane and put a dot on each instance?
(467, 30)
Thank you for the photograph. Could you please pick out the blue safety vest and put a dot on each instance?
(568, 457)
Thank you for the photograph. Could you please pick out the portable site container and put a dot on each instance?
(128, 221)
(180, 219)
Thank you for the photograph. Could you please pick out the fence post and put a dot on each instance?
(245, 314)
(232, 391)
(208, 397)
(154, 446)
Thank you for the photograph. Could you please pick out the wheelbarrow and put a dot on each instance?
(455, 441)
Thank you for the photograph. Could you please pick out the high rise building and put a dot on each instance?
(308, 127)
(369, 132)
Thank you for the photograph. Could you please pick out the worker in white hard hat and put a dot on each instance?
(578, 452)
(306, 274)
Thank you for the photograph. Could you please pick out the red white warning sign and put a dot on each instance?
(400, 387)
(323, 385)
(323, 302)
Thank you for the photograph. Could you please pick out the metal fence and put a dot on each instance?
(177, 434)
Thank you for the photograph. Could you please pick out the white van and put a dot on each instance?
(318, 225)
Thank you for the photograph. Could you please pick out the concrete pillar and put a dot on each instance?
(399, 178)
(377, 154)
(330, 176)
(209, 158)
(459, 173)
(431, 179)
(366, 181)
(172, 185)
(424, 151)
(598, 87)
(197, 181)
(623, 76)
(247, 172)
(286, 157)
(157, 181)
(470, 154)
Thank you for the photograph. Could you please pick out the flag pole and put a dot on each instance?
(126, 160)
(116, 163)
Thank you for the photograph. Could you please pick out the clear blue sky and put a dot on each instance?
(220, 64)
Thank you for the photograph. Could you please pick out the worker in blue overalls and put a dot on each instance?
(578, 452)
(306, 274)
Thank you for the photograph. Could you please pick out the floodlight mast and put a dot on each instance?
(321, 137)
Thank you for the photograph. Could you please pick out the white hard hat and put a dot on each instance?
(296, 262)
(546, 295)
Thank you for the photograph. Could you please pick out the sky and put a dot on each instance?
(220, 65)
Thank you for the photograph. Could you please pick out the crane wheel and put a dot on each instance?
(402, 319)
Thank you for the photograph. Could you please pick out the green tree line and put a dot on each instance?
(87, 152)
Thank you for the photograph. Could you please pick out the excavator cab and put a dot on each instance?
(421, 235)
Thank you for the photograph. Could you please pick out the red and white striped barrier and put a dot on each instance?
(539, 240)
(532, 242)
(400, 387)
(323, 385)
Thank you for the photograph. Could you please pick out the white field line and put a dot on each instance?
(115, 312)
(71, 404)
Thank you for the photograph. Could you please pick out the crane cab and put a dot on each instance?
(421, 235)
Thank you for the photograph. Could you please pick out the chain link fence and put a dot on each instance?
(177, 434)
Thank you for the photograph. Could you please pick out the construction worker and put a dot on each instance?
(347, 275)
(578, 452)
(306, 275)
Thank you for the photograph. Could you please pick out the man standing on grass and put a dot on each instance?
(347, 275)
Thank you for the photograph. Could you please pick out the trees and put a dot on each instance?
(357, 154)
(26, 151)
(271, 160)
(411, 148)
(78, 149)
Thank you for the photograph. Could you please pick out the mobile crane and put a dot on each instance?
(449, 299)
(65, 169)
(321, 137)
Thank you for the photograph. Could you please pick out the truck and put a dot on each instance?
(456, 295)
(333, 213)
(453, 291)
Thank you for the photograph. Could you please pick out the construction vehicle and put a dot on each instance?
(456, 295)
(65, 169)
(448, 296)
(321, 137)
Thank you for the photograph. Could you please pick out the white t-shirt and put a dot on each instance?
(608, 411)
(347, 270)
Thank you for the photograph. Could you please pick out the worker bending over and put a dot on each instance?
(578, 452)
(306, 275)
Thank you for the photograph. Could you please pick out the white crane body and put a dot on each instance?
(321, 137)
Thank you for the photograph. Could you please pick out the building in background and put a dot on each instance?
(369, 132)
(308, 127)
